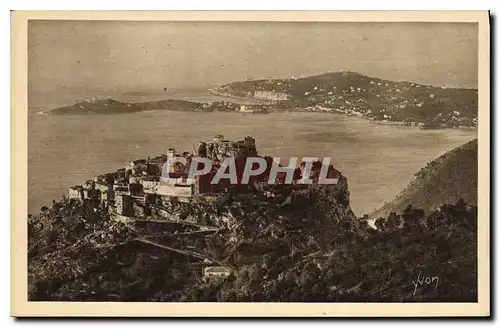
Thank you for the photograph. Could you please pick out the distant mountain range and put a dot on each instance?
(445, 180)
(342, 92)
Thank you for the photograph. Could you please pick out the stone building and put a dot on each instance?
(170, 153)
(124, 205)
(136, 167)
(102, 187)
(220, 148)
(150, 186)
(120, 188)
(175, 190)
(76, 192)
(91, 194)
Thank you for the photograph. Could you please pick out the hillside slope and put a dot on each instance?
(443, 181)
(362, 265)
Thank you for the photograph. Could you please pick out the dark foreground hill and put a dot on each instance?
(78, 254)
(445, 180)
(414, 263)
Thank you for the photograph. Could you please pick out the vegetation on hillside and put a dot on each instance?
(110, 106)
(77, 254)
(306, 247)
(363, 265)
(445, 180)
(106, 106)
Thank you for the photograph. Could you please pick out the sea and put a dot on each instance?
(378, 160)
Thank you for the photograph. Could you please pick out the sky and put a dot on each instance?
(123, 56)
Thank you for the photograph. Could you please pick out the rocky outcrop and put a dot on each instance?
(312, 211)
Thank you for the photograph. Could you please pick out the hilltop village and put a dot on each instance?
(138, 191)
(127, 236)
(185, 214)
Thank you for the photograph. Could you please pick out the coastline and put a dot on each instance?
(158, 119)
(402, 124)
(336, 112)
(271, 110)
(245, 104)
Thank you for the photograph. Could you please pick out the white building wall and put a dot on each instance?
(150, 186)
(170, 190)
(74, 194)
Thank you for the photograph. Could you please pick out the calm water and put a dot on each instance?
(378, 160)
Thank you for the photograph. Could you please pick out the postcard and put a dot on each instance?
(251, 164)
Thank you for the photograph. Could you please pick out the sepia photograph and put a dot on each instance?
(295, 158)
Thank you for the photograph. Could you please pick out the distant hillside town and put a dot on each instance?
(350, 93)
